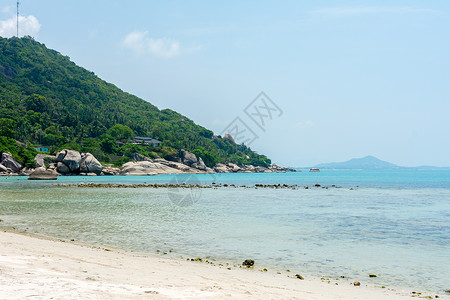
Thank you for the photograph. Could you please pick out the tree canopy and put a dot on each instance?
(47, 99)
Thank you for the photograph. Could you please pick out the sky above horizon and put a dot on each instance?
(349, 78)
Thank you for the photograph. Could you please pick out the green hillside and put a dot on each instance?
(46, 99)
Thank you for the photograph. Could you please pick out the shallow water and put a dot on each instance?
(394, 224)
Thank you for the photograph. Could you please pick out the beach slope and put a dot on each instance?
(39, 268)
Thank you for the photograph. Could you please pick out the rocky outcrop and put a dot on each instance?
(8, 161)
(40, 159)
(139, 157)
(4, 169)
(60, 155)
(72, 162)
(43, 174)
(221, 168)
(89, 164)
(62, 168)
(176, 165)
(110, 171)
(228, 137)
(146, 168)
(72, 159)
(233, 168)
(199, 164)
(191, 160)
(188, 158)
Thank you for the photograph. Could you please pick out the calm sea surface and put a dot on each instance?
(395, 224)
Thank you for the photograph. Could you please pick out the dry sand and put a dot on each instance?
(36, 268)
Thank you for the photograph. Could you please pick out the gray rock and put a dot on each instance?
(221, 168)
(8, 161)
(39, 159)
(199, 164)
(248, 263)
(175, 165)
(233, 167)
(72, 160)
(146, 168)
(3, 168)
(89, 164)
(140, 157)
(27, 171)
(60, 155)
(259, 169)
(43, 174)
(228, 137)
(110, 171)
(62, 168)
(188, 158)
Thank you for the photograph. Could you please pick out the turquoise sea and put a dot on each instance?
(395, 224)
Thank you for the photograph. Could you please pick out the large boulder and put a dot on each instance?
(43, 174)
(146, 168)
(72, 160)
(175, 165)
(233, 167)
(221, 168)
(188, 158)
(62, 168)
(228, 137)
(199, 164)
(110, 171)
(60, 155)
(89, 164)
(3, 169)
(8, 161)
(40, 159)
(139, 157)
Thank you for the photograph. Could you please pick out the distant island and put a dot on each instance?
(370, 163)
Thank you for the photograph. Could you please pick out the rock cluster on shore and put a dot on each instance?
(71, 162)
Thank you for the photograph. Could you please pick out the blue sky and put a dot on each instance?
(353, 78)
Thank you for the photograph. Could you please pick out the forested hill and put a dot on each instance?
(46, 99)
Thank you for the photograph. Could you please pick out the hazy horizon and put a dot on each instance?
(349, 80)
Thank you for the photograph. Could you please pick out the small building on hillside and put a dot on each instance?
(42, 148)
(146, 141)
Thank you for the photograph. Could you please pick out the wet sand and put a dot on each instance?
(40, 268)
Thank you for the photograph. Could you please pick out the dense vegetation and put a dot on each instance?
(45, 99)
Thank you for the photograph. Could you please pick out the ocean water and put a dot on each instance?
(395, 224)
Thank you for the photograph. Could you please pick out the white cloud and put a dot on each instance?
(27, 26)
(139, 42)
(364, 10)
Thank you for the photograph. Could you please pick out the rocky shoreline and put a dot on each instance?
(199, 186)
(71, 162)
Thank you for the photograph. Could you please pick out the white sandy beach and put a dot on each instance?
(35, 268)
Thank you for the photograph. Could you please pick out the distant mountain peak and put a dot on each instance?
(368, 162)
